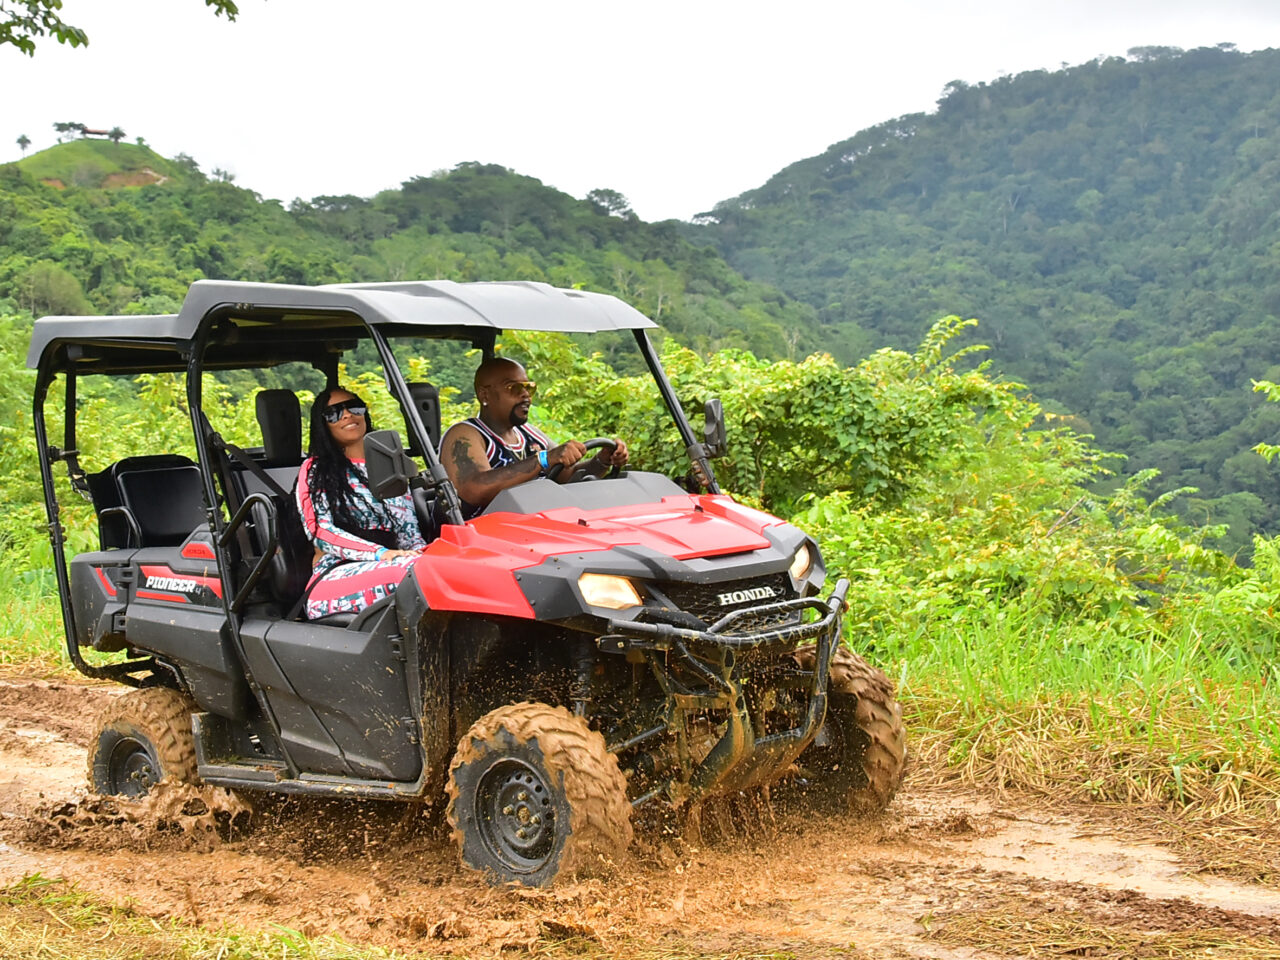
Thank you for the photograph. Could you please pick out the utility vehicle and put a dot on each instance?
(575, 653)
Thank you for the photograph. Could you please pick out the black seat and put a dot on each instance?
(273, 475)
(149, 501)
(280, 417)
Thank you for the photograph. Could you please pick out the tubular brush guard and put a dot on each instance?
(739, 759)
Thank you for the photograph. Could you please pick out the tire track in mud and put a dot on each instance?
(942, 861)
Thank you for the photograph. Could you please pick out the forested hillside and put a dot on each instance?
(98, 227)
(1114, 227)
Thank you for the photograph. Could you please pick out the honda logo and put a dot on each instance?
(742, 596)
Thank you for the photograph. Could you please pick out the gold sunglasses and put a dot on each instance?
(517, 387)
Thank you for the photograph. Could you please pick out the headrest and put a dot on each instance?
(280, 417)
(426, 398)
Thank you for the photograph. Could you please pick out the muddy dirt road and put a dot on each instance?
(947, 873)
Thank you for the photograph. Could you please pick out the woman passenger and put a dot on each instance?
(364, 545)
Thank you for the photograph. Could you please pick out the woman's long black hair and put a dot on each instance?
(330, 468)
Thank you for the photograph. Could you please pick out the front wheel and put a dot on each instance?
(142, 737)
(535, 795)
(859, 756)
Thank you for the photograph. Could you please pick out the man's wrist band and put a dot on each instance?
(378, 554)
(542, 459)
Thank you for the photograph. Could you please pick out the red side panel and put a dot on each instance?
(152, 595)
(471, 568)
(107, 585)
(464, 571)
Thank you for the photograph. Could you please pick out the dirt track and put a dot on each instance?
(945, 874)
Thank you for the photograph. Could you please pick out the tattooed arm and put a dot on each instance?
(462, 454)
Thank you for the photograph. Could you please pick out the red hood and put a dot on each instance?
(470, 568)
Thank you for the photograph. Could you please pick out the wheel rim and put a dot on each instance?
(131, 770)
(515, 816)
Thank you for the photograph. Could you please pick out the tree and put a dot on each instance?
(116, 135)
(22, 21)
(1148, 54)
(23, 142)
(610, 201)
(66, 129)
(47, 287)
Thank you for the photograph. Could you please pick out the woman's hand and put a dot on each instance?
(392, 554)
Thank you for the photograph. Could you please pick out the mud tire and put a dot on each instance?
(568, 779)
(865, 754)
(143, 736)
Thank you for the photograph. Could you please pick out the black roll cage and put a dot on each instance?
(88, 346)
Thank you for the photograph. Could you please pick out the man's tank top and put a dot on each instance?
(531, 440)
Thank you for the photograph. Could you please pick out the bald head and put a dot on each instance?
(495, 371)
(504, 392)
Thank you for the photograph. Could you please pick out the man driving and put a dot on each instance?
(498, 449)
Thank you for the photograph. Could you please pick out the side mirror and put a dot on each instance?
(714, 441)
(390, 469)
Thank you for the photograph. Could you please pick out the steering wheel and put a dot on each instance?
(593, 444)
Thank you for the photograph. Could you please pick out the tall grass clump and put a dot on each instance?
(30, 622)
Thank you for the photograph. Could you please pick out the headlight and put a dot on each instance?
(601, 590)
(802, 563)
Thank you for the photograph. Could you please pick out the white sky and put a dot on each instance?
(676, 104)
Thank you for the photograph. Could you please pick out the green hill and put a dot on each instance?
(98, 241)
(99, 163)
(1113, 225)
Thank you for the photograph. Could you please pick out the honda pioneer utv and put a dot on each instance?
(573, 654)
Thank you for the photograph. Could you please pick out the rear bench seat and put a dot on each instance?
(150, 501)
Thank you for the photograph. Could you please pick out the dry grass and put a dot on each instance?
(1220, 800)
(1075, 747)
(1245, 848)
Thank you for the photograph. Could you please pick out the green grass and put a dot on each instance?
(31, 636)
(1186, 717)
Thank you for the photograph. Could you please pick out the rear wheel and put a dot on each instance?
(534, 795)
(142, 737)
(860, 753)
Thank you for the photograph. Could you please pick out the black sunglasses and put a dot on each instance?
(333, 412)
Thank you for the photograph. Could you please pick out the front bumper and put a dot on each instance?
(739, 759)
(627, 635)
